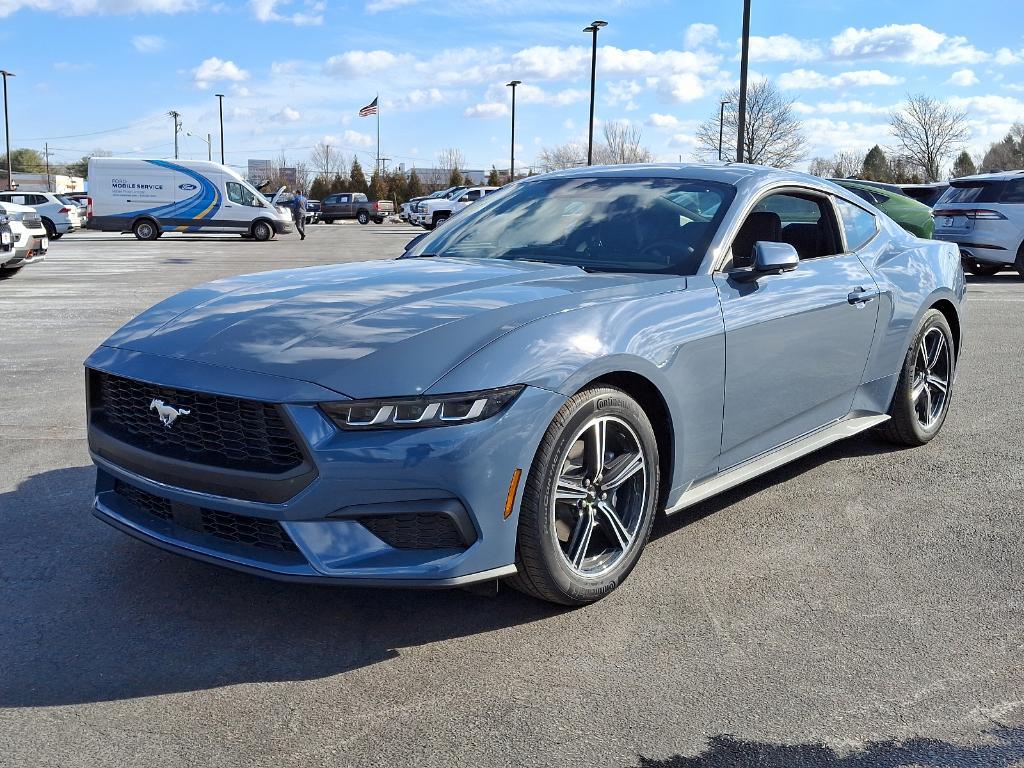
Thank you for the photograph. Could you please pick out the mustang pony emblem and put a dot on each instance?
(168, 414)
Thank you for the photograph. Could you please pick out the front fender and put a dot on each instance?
(674, 339)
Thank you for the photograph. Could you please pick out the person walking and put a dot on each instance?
(299, 213)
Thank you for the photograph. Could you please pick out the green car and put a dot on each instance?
(913, 216)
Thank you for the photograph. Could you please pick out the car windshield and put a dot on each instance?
(659, 225)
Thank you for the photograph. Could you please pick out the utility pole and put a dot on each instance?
(176, 116)
(220, 99)
(594, 27)
(512, 152)
(741, 121)
(46, 155)
(7, 130)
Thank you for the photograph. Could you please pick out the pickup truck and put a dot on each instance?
(434, 213)
(354, 205)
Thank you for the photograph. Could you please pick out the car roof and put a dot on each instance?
(997, 176)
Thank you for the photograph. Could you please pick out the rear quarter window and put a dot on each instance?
(859, 225)
(1013, 192)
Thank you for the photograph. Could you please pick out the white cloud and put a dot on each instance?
(213, 70)
(963, 77)
(623, 92)
(98, 7)
(806, 79)
(1005, 57)
(365, 63)
(782, 48)
(1003, 109)
(852, 107)
(148, 43)
(379, 6)
(487, 110)
(914, 43)
(288, 115)
(684, 87)
(662, 121)
(698, 35)
(357, 139)
(310, 13)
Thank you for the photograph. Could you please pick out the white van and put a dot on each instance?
(150, 197)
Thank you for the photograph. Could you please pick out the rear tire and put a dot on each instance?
(584, 521)
(145, 229)
(363, 217)
(926, 377)
(1019, 264)
(379, 220)
(980, 268)
(51, 230)
(262, 231)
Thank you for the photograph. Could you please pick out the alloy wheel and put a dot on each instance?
(932, 373)
(597, 506)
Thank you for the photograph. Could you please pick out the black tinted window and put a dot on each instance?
(1014, 192)
(973, 192)
(619, 225)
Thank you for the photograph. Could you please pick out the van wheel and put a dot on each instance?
(145, 229)
(262, 231)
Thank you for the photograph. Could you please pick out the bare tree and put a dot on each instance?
(622, 144)
(324, 160)
(303, 175)
(450, 160)
(772, 135)
(842, 165)
(563, 156)
(928, 132)
(821, 166)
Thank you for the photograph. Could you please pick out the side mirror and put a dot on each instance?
(769, 259)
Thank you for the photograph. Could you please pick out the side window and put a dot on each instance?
(1014, 192)
(237, 193)
(344, 198)
(859, 225)
(803, 221)
(359, 198)
(19, 199)
(473, 194)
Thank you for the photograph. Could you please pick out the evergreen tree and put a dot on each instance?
(339, 184)
(963, 165)
(357, 179)
(455, 178)
(320, 188)
(415, 187)
(377, 190)
(876, 166)
(494, 178)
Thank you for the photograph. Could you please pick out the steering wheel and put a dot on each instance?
(665, 248)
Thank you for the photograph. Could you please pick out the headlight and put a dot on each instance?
(15, 216)
(418, 412)
(3, 219)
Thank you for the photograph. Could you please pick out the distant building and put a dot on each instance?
(40, 182)
(288, 177)
(259, 171)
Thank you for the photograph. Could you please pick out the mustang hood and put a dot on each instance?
(371, 329)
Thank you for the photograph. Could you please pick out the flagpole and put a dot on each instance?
(377, 99)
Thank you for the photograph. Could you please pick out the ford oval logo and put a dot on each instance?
(188, 187)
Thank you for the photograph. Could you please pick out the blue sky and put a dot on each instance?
(296, 71)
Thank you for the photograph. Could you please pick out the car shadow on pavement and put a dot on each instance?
(1002, 745)
(1003, 278)
(860, 445)
(90, 614)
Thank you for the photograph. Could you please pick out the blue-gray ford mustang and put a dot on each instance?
(520, 394)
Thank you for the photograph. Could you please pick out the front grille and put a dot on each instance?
(224, 432)
(419, 530)
(241, 529)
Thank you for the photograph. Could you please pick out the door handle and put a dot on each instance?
(860, 295)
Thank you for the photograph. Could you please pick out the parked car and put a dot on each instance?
(984, 216)
(355, 205)
(913, 216)
(419, 215)
(81, 203)
(59, 217)
(437, 211)
(29, 238)
(313, 208)
(928, 194)
(529, 385)
(408, 208)
(6, 240)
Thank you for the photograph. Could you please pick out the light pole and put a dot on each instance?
(594, 27)
(512, 154)
(208, 140)
(7, 129)
(721, 127)
(741, 118)
(220, 99)
(176, 117)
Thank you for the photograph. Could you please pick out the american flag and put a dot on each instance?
(369, 109)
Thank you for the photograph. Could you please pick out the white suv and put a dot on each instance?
(58, 217)
(984, 216)
(29, 236)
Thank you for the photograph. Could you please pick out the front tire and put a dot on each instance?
(589, 500)
(145, 229)
(262, 231)
(921, 401)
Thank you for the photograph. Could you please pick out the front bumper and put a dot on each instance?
(463, 472)
(283, 227)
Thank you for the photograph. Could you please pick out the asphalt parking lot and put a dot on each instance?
(861, 607)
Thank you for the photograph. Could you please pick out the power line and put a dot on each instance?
(93, 133)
